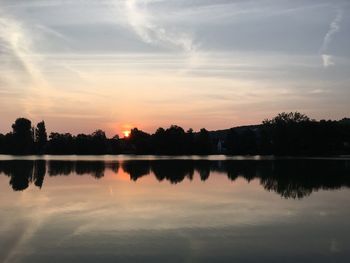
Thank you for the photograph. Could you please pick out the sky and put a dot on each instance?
(83, 65)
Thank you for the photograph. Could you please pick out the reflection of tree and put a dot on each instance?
(173, 170)
(246, 169)
(203, 168)
(136, 169)
(39, 172)
(299, 178)
(114, 166)
(60, 168)
(94, 168)
(20, 173)
(292, 178)
(288, 178)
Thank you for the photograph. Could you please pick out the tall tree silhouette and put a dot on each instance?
(40, 137)
(22, 136)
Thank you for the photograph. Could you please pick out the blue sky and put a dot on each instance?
(82, 65)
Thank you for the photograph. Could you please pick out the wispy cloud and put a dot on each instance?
(52, 32)
(17, 47)
(150, 32)
(15, 43)
(334, 27)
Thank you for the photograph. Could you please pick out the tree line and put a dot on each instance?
(286, 134)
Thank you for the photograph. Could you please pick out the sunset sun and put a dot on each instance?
(126, 134)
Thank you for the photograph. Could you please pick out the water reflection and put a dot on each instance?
(288, 178)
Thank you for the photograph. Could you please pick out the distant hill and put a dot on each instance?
(222, 134)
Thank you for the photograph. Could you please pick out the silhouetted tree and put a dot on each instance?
(159, 141)
(40, 137)
(114, 145)
(61, 144)
(99, 142)
(83, 144)
(297, 134)
(174, 140)
(288, 132)
(189, 142)
(203, 145)
(140, 141)
(287, 118)
(22, 135)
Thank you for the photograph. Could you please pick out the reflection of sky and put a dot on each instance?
(109, 64)
(113, 217)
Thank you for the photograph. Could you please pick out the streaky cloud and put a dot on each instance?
(52, 32)
(150, 32)
(334, 27)
(17, 41)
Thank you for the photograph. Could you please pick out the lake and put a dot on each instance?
(174, 209)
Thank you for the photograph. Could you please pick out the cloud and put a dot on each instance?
(319, 91)
(145, 26)
(334, 27)
(16, 47)
(52, 32)
(15, 44)
(327, 60)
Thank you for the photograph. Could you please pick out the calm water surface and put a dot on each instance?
(148, 209)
